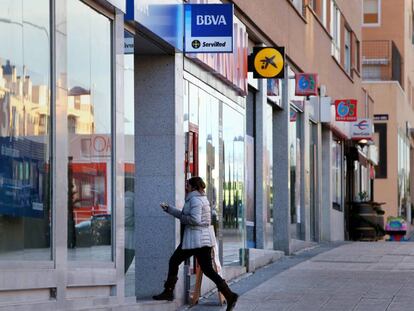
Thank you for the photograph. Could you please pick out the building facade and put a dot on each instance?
(387, 61)
(104, 117)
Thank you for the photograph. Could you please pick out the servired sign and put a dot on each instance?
(208, 28)
(306, 84)
(346, 110)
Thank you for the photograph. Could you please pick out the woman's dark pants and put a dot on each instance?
(204, 259)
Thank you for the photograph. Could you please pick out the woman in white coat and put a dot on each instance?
(198, 240)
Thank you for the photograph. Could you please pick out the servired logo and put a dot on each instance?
(207, 20)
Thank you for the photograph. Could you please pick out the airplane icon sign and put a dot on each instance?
(268, 62)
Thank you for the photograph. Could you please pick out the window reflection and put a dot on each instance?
(337, 168)
(89, 130)
(25, 203)
(202, 116)
(268, 177)
(233, 184)
(129, 128)
(295, 160)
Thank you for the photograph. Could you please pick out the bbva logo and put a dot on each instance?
(207, 20)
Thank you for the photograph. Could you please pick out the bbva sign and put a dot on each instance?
(210, 20)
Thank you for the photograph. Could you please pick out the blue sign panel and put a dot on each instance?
(208, 28)
(164, 18)
(211, 20)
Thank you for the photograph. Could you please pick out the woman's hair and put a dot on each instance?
(197, 183)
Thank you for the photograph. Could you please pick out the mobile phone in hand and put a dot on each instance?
(164, 206)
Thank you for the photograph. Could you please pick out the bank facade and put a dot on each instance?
(104, 117)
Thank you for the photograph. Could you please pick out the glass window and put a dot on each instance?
(295, 139)
(25, 180)
(298, 5)
(90, 133)
(294, 154)
(347, 60)
(357, 60)
(372, 72)
(372, 12)
(403, 173)
(129, 157)
(268, 176)
(233, 186)
(336, 30)
(337, 164)
(324, 13)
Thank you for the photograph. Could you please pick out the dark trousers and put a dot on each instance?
(204, 259)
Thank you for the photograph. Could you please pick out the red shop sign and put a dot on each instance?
(346, 110)
(306, 84)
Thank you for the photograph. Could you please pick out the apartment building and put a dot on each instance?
(320, 37)
(104, 116)
(387, 72)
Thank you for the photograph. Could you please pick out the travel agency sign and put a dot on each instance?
(346, 110)
(208, 28)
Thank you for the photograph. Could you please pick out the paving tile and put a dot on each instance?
(368, 304)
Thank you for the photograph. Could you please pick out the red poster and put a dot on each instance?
(346, 110)
(306, 84)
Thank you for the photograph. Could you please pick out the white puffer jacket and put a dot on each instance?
(196, 216)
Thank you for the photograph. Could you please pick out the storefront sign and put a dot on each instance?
(381, 117)
(164, 18)
(267, 62)
(229, 67)
(208, 28)
(306, 84)
(346, 110)
(128, 43)
(272, 87)
(293, 115)
(362, 129)
(325, 109)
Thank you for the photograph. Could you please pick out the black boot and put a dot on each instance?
(168, 293)
(231, 298)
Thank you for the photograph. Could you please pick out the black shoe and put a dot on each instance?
(231, 302)
(231, 298)
(167, 294)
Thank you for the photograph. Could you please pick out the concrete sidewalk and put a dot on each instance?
(355, 276)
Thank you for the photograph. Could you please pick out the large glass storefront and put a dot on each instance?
(295, 172)
(220, 162)
(404, 200)
(233, 184)
(296, 158)
(129, 158)
(313, 180)
(89, 78)
(25, 204)
(337, 174)
(268, 177)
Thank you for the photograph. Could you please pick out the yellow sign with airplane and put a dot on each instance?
(267, 62)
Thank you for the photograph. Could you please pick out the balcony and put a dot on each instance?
(381, 61)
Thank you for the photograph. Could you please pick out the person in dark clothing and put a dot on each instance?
(198, 240)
